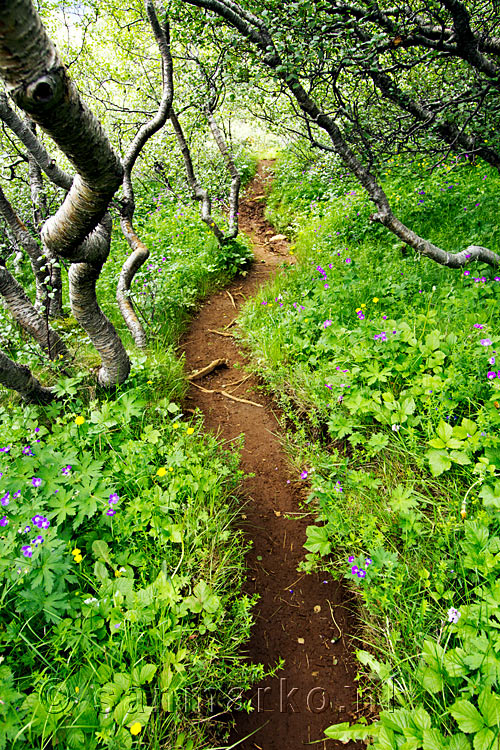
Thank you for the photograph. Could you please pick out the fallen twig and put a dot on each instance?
(209, 368)
(228, 395)
(221, 333)
(231, 298)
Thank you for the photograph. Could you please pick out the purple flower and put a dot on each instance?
(37, 429)
(347, 260)
(354, 570)
(485, 342)
(361, 573)
(327, 323)
(351, 558)
(26, 529)
(368, 561)
(478, 325)
(16, 494)
(4, 521)
(27, 551)
(37, 540)
(110, 512)
(113, 498)
(5, 499)
(45, 523)
(36, 481)
(453, 615)
(5, 449)
(491, 374)
(67, 470)
(396, 427)
(491, 360)
(304, 474)
(27, 451)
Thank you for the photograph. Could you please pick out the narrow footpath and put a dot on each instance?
(307, 620)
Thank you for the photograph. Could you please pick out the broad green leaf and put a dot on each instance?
(467, 716)
(489, 705)
(486, 739)
(318, 540)
(459, 742)
(147, 673)
(101, 550)
(439, 462)
(444, 431)
(345, 732)
(454, 662)
(421, 718)
(491, 495)
(433, 740)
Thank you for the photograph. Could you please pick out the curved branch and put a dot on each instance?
(39, 84)
(235, 176)
(140, 252)
(85, 307)
(19, 378)
(21, 309)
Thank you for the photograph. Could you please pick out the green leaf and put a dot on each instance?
(491, 496)
(467, 716)
(318, 540)
(101, 551)
(459, 742)
(433, 740)
(485, 739)
(439, 462)
(489, 705)
(147, 673)
(444, 431)
(344, 732)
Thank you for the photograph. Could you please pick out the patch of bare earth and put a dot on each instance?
(307, 620)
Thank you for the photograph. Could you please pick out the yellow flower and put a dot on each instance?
(135, 728)
(149, 382)
(79, 420)
(358, 309)
(78, 558)
(176, 425)
(170, 468)
(75, 551)
(119, 572)
(77, 689)
(190, 430)
(375, 299)
(161, 471)
(363, 305)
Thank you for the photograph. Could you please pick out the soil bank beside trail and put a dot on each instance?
(307, 620)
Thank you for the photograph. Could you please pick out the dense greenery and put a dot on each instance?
(385, 363)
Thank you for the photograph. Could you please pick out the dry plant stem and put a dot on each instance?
(220, 333)
(21, 309)
(84, 306)
(39, 84)
(254, 29)
(139, 251)
(19, 378)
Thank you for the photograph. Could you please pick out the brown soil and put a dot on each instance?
(307, 620)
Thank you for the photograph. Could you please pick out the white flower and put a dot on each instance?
(453, 615)
(396, 427)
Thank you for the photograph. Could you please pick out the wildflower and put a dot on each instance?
(37, 540)
(27, 451)
(5, 499)
(16, 494)
(27, 551)
(113, 498)
(119, 572)
(304, 474)
(111, 512)
(79, 420)
(36, 481)
(45, 524)
(90, 600)
(354, 570)
(135, 728)
(375, 299)
(77, 558)
(351, 558)
(396, 427)
(347, 260)
(4, 521)
(161, 471)
(176, 425)
(338, 487)
(67, 470)
(190, 430)
(26, 529)
(491, 374)
(361, 573)
(491, 360)
(453, 615)
(149, 382)
(75, 551)
(485, 342)
(478, 325)
(327, 323)
(368, 561)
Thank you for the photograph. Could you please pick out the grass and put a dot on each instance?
(388, 360)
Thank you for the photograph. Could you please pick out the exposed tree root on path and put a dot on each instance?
(307, 620)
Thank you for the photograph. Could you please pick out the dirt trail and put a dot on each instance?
(305, 619)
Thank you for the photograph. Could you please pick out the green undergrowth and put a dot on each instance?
(122, 616)
(387, 367)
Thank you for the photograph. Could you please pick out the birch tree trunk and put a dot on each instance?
(21, 309)
(19, 378)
